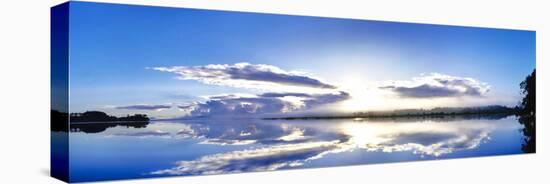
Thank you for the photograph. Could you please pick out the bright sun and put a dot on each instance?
(362, 98)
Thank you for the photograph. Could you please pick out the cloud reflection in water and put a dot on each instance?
(262, 159)
(278, 145)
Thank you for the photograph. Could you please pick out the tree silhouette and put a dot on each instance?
(98, 116)
(527, 113)
(528, 89)
(94, 121)
(97, 121)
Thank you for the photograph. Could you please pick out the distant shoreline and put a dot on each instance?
(440, 112)
(387, 116)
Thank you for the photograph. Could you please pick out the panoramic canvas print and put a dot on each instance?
(143, 91)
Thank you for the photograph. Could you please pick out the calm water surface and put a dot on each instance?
(199, 147)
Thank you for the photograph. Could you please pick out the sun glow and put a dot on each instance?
(367, 96)
(363, 97)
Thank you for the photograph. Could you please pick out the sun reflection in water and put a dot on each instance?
(425, 138)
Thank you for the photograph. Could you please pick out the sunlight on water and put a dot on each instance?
(427, 138)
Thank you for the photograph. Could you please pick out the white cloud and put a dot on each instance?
(246, 75)
(438, 85)
(263, 104)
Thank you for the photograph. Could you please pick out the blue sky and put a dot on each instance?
(114, 50)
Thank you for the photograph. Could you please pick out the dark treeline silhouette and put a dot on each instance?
(94, 121)
(97, 116)
(482, 112)
(528, 113)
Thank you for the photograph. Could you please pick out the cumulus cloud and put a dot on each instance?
(438, 85)
(284, 95)
(245, 75)
(144, 107)
(268, 103)
(325, 99)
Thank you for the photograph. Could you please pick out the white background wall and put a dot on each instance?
(24, 90)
